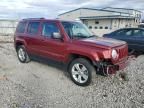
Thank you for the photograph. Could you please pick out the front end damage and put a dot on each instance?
(108, 68)
(113, 60)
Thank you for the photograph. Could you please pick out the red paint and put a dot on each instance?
(96, 49)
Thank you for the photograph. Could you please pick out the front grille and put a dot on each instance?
(123, 51)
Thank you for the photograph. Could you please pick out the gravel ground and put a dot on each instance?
(42, 85)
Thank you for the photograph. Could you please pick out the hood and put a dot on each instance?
(103, 42)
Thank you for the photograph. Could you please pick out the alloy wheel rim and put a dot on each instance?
(80, 73)
(21, 54)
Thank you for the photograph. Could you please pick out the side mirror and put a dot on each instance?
(56, 35)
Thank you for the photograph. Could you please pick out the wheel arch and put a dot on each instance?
(18, 43)
(73, 56)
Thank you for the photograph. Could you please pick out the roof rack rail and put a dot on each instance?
(33, 18)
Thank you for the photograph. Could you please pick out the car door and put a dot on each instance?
(52, 48)
(33, 37)
(138, 34)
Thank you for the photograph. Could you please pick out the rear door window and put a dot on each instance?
(33, 28)
(21, 27)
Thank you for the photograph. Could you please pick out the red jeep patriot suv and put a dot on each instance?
(71, 43)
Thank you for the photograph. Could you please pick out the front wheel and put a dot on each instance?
(81, 71)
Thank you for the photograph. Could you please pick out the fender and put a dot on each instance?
(91, 55)
(21, 41)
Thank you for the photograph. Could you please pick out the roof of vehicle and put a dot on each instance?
(44, 19)
(38, 19)
(131, 28)
(127, 29)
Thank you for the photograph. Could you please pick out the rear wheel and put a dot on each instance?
(22, 54)
(81, 71)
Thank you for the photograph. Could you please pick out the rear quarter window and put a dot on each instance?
(21, 27)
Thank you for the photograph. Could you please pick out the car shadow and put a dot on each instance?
(59, 65)
(135, 54)
(63, 67)
(52, 63)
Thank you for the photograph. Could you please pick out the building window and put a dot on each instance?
(96, 22)
(90, 27)
(106, 27)
(136, 20)
(101, 27)
(85, 22)
(96, 27)
(126, 25)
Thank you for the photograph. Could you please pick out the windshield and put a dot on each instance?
(76, 30)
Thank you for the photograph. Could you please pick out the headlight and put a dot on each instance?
(114, 54)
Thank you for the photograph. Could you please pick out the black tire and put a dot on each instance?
(89, 70)
(26, 56)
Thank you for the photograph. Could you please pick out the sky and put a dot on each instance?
(18, 9)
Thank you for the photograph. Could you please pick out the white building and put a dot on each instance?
(104, 20)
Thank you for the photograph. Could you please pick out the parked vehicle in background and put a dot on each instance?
(133, 36)
(71, 43)
(141, 25)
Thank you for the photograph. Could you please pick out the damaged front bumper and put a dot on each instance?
(107, 68)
